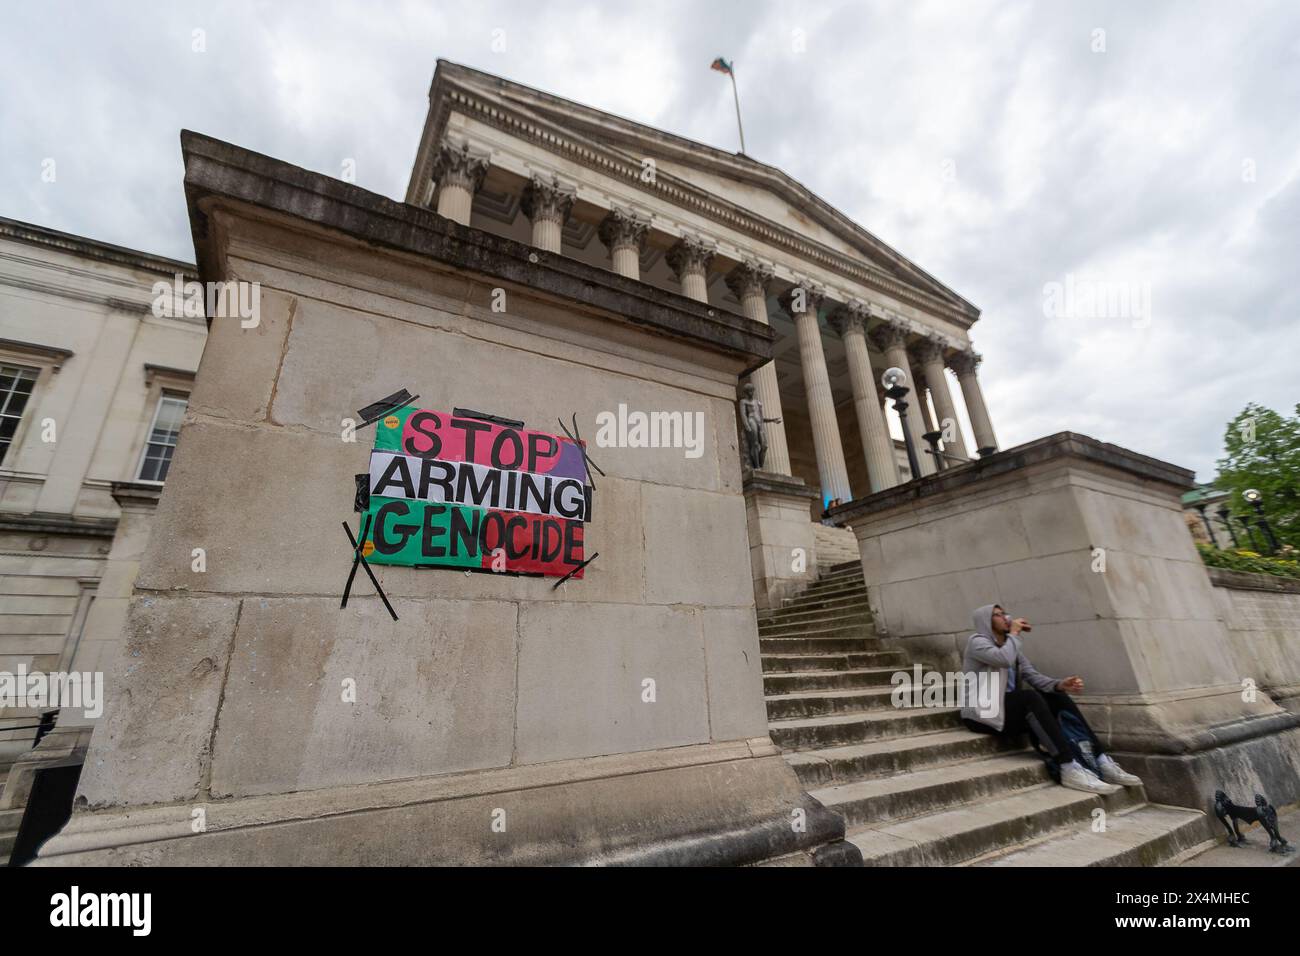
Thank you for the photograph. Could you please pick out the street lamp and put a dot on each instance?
(1208, 527)
(1226, 517)
(1255, 499)
(893, 380)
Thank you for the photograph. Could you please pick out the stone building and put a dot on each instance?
(555, 262)
(93, 387)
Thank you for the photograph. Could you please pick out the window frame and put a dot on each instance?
(159, 395)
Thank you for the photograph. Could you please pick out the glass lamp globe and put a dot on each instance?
(1252, 495)
(893, 376)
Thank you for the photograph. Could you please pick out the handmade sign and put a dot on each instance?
(458, 492)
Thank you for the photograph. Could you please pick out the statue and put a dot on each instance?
(752, 420)
(1262, 812)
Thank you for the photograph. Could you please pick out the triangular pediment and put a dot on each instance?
(733, 181)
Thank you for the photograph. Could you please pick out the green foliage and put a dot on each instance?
(1262, 451)
(1242, 560)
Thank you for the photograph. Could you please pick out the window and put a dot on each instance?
(162, 437)
(16, 384)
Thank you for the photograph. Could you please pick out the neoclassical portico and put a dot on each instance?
(722, 229)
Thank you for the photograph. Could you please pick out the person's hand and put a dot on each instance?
(1071, 685)
(1020, 624)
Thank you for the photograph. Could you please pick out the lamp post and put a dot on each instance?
(893, 380)
(1209, 529)
(1226, 517)
(1255, 500)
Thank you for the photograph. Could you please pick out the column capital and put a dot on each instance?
(690, 254)
(802, 298)
(964, 363)
(849, 316)
(545, 197)
(460, 165)
(928, 351)
(623, 228)
(889, 335)
(751, 277)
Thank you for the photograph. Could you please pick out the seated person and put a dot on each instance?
(1032, 701)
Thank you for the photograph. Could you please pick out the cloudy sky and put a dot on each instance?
(1016, 150)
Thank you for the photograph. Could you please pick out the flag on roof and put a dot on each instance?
(721, 65)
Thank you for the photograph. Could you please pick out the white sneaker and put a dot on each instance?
(1112, 772)
(1079, 778)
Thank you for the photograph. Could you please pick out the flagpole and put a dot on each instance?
(736, 94)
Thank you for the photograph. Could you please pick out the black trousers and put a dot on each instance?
(1033, 711)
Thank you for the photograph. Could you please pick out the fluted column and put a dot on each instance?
(689, 258)
(748, 282)
(547, 203)
(964, 364)
(623, 233)
(802, 303)
(930, 355)
(892, 340)
(459, 172)
(882, 469)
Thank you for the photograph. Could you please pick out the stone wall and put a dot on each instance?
(1262, 615)
(600, 718)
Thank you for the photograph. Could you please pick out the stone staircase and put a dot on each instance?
(914, 786)
(834, 546)
(9, 822)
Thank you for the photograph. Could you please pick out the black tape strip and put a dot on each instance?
(356, 547)
(575, 570)
(376, 409)
(388, 411)
(486, 417)
(356, 559)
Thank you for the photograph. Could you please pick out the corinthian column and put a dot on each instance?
(882, 470)
(748, 282)
(892, 340)
(964, 364)
(802, 303)
(689, 258)
(930, 355)
(548, 204)
(459, 172)
(623, 234)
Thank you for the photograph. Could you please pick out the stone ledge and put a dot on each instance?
(58, 524)
(1060, 445)
(772, 483)
(215, 170)
(1252, 581)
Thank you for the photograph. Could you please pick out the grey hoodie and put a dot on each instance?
(984, 654)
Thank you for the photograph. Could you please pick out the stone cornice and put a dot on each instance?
(92, 249)
(1058, 447)
(49, 354)
(219, 175)
(448, 95)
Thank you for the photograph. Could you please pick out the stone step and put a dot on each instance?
(817, 645)
(823, 703)
(851, 596)
(834, 582)
(1148, 835)
(866, 632)
(853, 563)
(844, 609)
(827, 680)
(816, 618)
(778, 663)
(833, 765)
(920, 792)
(812, 733)
(967, 832)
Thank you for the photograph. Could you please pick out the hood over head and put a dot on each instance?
(982, 618)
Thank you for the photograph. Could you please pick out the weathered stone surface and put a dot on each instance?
(695, 547)
(434, 693)
(581, 674)
(163, 698)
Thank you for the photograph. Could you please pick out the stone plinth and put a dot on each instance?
(616, 719)
(1087, 541)
(782, 547)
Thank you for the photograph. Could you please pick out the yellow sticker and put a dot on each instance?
(392, 421)
(368, 548)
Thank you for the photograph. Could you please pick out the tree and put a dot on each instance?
(1262, 451)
